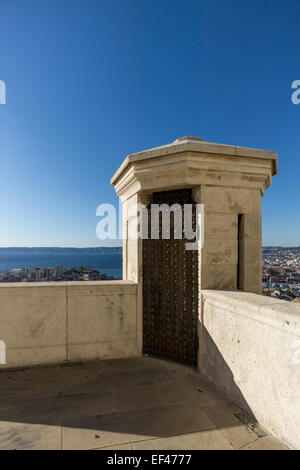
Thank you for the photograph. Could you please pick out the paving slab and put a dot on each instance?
(265, 443)
(206, 440)
(21, 436)
(130, 426)
(118, 447)
(123, 404)
(224, 417)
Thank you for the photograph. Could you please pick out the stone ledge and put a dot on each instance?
(65, 284)
(272, 312)
(249, 348)
(66, 288)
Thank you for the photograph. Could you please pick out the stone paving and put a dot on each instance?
(131, 404)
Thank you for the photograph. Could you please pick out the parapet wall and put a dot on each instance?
(44, 323)
(250, 348)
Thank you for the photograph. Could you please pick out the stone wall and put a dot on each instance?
(228, 245)
(76, 321)
(250, 348)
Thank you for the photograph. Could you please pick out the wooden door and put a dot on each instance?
(170, 289)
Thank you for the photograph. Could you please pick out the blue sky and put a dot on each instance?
(90, 81)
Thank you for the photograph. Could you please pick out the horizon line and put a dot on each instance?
(113, 246)
(57, 246)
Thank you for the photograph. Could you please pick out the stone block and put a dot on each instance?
(218, 276)
(222, 200)
(102, 326)
(220, 226)
(219, 252)
(33, 325)
(251, 227)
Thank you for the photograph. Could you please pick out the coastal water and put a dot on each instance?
(108, 263)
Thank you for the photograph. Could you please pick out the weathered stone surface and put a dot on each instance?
(206, 440)
(219, 252)
(32, 324)
(221, 226)
(227, 200)
(250, 348)
(265, 443)
(101, 326)
(121, 404)
(251, 227)
(51, 323)
(218, 276)
(22, 436)
(118, 447)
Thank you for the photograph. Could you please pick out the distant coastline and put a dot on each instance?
(102, 250)
(106, 260)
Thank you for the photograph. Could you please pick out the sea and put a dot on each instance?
(106, 263)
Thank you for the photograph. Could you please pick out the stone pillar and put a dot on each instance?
(132, 252)
(231, 256)
(229, 181)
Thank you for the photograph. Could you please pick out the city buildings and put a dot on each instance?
(281, 273)
(59, 273)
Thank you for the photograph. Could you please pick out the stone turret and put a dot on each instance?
(229, 181)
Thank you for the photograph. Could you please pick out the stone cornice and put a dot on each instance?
(189, 162)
